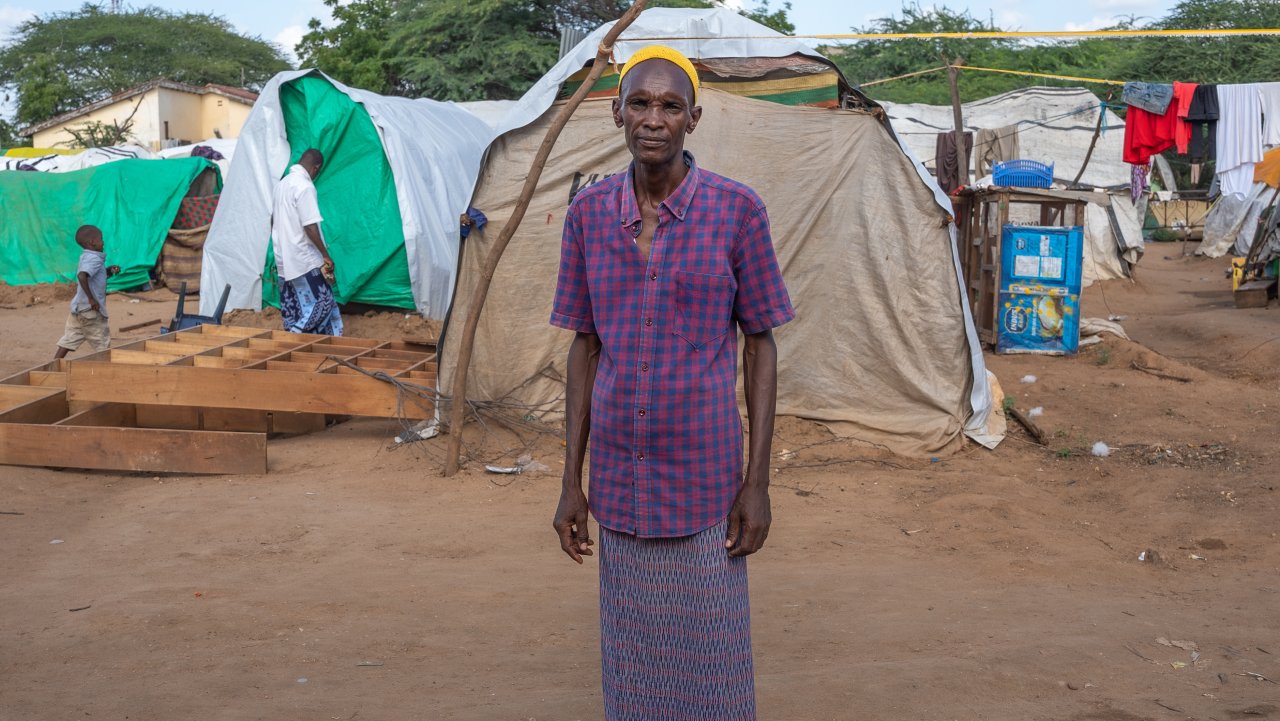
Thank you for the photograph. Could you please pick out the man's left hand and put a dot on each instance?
(749, 520)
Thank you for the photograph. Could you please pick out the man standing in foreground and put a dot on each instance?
(657, 266)
(302, 260)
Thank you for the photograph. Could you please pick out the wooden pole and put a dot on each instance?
(458, 401)
(1097, 130)
(953, 79)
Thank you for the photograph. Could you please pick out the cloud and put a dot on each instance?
(288, 39)
(1125, 6)
(10, 17)
(1097, 22)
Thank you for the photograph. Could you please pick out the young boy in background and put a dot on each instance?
(88, 319)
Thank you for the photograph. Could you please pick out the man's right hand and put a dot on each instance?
(571, 524)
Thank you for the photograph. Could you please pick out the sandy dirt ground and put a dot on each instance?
(354, 582)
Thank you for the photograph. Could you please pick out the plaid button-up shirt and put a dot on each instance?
(666, 437)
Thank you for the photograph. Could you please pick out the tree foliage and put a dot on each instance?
(1204, 60)
(61, 61)
(462, 49)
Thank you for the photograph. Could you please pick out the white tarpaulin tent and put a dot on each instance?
(1055, 125)
(434, 150)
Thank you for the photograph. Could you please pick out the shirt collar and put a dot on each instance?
(677, 203)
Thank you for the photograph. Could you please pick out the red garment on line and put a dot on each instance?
(1182, 93)
(1147, 134)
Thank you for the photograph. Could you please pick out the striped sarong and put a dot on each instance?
(307, 305)
(675, 629)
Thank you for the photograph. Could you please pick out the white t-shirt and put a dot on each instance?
(294, 207)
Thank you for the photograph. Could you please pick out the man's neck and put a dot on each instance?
(656, 183)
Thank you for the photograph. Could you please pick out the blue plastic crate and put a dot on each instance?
(1022, 174)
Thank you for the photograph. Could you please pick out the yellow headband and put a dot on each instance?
(662, 52)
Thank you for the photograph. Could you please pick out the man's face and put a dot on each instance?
(656, 111)
(93, 242)
(313, 169)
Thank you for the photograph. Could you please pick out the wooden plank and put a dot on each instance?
(138, 357)
(336, 350)
(173, 347)
(413, 356)
(41, 410)
(48, 379)
(14, 396)
(292, 367)
(274, 345)
(121, 415)
(213, 361)
(348, 341)
(232, 332)
(387, 364)
(132, 449)
(323, 393)
(245, 353)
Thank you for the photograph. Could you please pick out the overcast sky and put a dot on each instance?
(285, 21)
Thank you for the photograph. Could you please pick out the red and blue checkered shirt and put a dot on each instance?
(666, 437)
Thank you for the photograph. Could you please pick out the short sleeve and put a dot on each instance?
(572, 307)
(762, 301)
(308, 207)
(90, 263)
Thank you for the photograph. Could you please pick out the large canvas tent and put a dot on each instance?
(883, 347)
(133, 201)
(1054, 125)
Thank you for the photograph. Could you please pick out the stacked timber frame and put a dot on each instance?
(204, 400)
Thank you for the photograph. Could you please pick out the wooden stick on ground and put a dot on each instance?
(143, 324)
(458, 401)
(1158, 373)
(1029, 424)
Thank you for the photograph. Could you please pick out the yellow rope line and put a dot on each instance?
(1004, 34)
(1043, 75)
(908, 75)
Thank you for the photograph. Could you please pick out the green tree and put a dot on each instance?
(462, 49)
(61, 61)
(1206, 60)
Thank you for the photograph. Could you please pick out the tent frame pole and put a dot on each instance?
(458, 398)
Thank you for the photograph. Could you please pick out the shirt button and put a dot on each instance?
(642, 412)
(639, 456)
(644, 367)
(648, 321)
(653, 276)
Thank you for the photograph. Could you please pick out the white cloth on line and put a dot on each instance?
(294, 207)
(1239, 136)
(1269, 97)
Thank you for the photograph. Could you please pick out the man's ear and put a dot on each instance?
(617, 112)
(695, 114)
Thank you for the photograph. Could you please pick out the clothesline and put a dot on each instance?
(1027, 73)
(992, 35)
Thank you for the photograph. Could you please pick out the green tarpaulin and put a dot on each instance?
(356, 191)
(132, 201)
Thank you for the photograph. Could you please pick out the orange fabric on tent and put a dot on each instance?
(1268, 171)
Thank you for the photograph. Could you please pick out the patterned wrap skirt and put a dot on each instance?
(675, 629)
(307, 305)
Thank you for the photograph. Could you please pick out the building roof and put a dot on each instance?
(241, 95)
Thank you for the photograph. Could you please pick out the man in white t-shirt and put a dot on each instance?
(302, 261)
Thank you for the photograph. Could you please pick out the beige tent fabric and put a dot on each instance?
(878, 348)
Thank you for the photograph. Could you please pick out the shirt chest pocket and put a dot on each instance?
(704, 306)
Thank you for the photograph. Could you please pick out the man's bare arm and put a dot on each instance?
(313, 234)
(571, 515)
(751, 516)
(83, 277)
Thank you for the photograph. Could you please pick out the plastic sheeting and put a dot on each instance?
(1232, 221)
(434, 150)
(880, 349)
(63, 162)
(1055, 125)
(133, 202)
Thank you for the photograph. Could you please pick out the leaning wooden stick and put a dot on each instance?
(458, 399)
